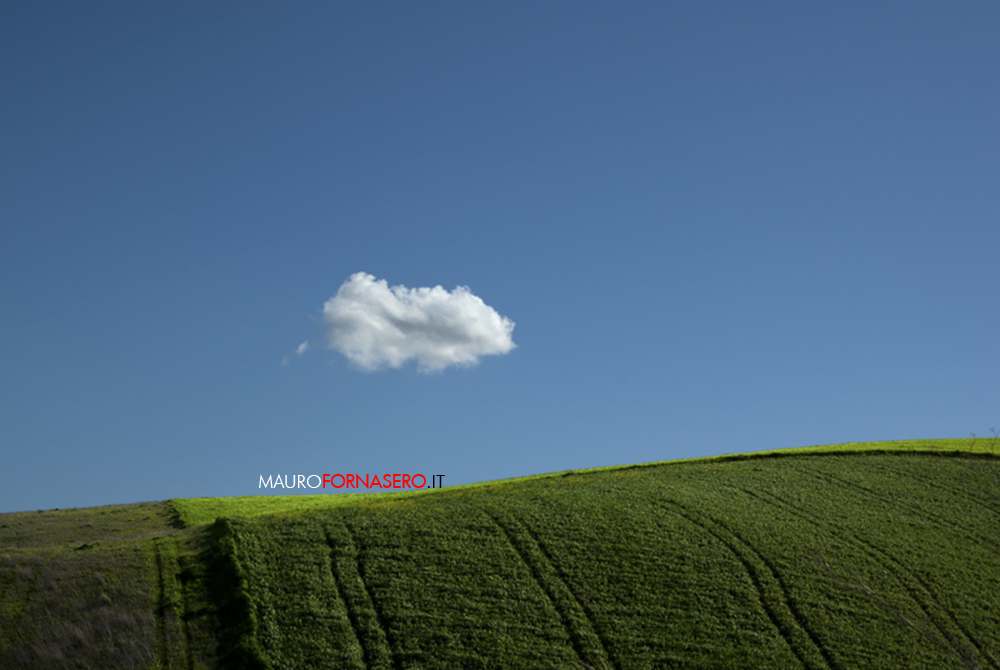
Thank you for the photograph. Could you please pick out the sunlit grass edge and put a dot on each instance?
(201, 511)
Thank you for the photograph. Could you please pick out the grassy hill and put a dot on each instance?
(882, 555)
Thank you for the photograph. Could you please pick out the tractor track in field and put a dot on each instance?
(161, 606)
(381, 629)
(897, 503)
(601, 648)
(739, 546)
(352, 614)
(580, 628)
(185, 608)
(169, 626)
(886, 560)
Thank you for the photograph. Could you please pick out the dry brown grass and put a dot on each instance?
(98, 588)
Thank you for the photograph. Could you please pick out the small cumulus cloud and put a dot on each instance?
(299, 350)
(376, 326)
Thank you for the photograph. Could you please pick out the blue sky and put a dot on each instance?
(717, 227)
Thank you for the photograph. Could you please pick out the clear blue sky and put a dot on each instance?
(718, 227)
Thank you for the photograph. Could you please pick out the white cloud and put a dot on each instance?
(299, 350)
(376, 326)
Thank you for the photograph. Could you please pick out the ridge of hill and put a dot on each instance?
(879, 555)
(201, 511)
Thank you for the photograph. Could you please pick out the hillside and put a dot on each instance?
(850, 556)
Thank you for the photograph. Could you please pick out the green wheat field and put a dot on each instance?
(876, 555)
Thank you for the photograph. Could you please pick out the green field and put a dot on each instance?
(881, 555)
